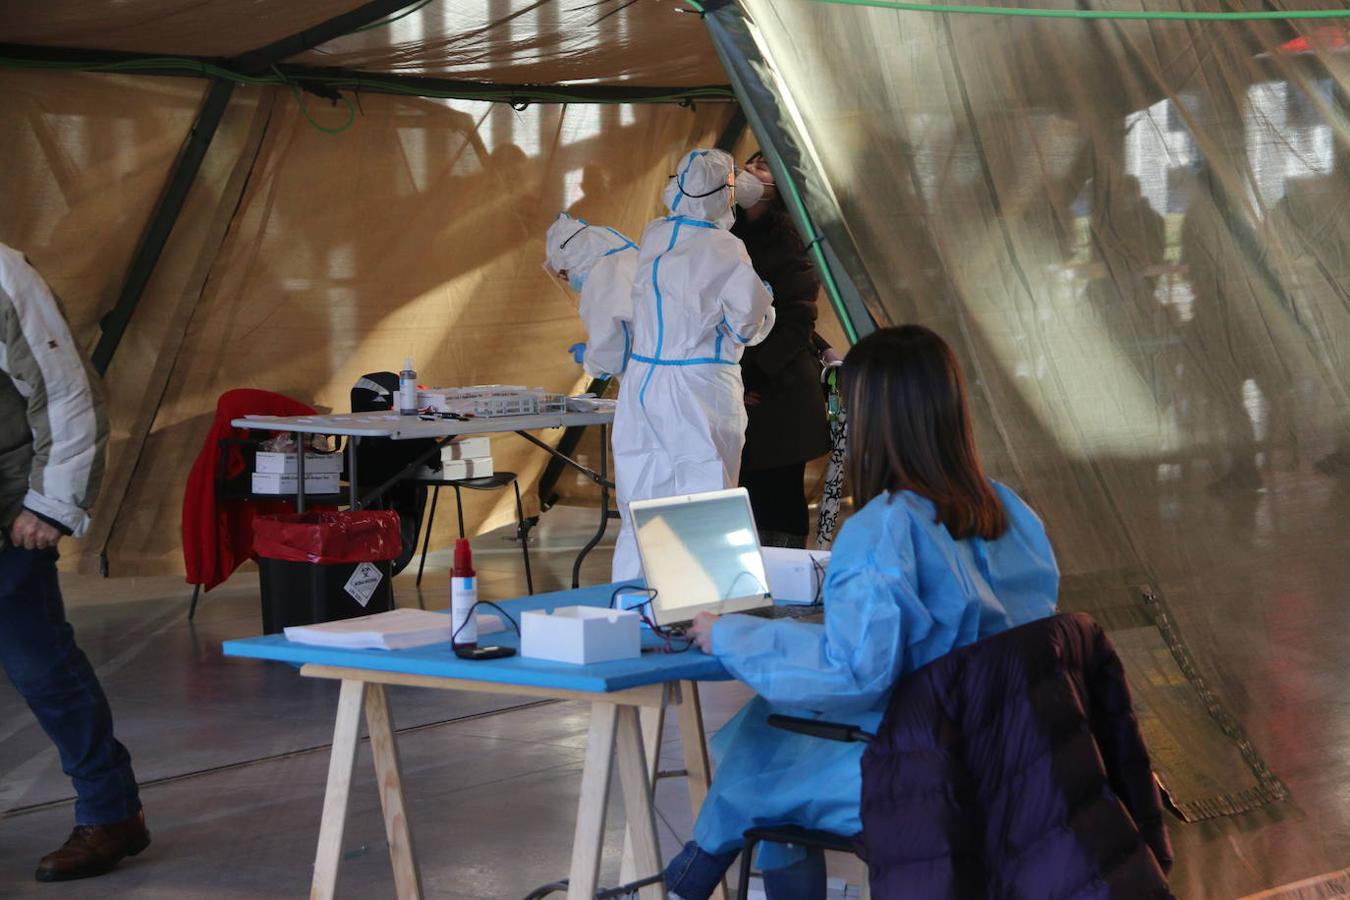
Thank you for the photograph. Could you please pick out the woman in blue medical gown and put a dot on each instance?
(936, 557)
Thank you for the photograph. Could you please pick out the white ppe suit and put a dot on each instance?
(697, 303)
(602, 261)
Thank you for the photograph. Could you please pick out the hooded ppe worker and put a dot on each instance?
(598, 263)
(697, 302)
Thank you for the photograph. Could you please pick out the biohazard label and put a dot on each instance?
(364, 582)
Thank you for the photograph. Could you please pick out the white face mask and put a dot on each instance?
(749, 189)
(576, 281)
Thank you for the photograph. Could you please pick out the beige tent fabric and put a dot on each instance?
(169, 27)
(83, 160)
(418, 231)
(533, 42)
(148, 355)
(507, 41)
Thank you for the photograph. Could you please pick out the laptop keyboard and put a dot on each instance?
(787, 611)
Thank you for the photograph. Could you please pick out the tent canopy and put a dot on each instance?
(1135, 234)
(538, 42)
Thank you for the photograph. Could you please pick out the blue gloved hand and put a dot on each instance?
(578, 352)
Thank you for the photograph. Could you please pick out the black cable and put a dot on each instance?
(631, 589)
(470, 618)
(668, 635)
(538, 893)
(819, 599)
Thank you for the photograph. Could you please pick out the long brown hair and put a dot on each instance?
(909, 429)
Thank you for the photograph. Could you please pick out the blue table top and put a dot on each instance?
(439, 661)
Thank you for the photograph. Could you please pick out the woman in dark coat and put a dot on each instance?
(783, 399)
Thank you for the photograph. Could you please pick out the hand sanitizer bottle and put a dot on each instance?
(463, 599)
(407, 389)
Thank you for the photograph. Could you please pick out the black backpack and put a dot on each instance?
(378, 460)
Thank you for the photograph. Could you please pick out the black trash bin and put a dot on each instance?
(324, 566)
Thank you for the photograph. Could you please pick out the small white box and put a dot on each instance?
(460, 469)
(795, 576)
(284, 463)
(276, 483)
(580, 635)
(467, 448)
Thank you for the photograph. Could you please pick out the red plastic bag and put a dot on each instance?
(367, 535)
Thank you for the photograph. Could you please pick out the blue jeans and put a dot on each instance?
(695, 873)
(39, 654)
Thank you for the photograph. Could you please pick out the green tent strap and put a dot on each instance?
(1141, 15)
(831, 286)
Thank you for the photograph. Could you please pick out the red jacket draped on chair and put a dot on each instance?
(218, 536)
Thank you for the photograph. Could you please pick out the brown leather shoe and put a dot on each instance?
(94, 849)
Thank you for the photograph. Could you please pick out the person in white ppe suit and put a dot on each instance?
(697, 303)
(598, 263)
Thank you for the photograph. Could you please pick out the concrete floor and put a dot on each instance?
(232, 753)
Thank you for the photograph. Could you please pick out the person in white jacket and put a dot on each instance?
(598, 263)
(697, 302)
(53, 435)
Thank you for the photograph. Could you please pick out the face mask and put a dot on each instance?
(576, 281)
(749, 189)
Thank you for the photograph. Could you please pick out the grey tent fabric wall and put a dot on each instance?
(847, 281)
(1134, 235)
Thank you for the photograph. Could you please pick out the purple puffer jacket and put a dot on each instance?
(1013, 768)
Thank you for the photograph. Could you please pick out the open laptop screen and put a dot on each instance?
(699, 552)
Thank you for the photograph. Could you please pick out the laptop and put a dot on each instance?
(701, 553)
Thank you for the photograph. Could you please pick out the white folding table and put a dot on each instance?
(392, 426)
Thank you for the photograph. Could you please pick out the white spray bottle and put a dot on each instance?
(407, 389)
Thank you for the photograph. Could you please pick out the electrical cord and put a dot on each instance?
(667, 635)
(304, 109)
(819, 598)
(470, 618)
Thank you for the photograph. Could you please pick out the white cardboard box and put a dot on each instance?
(459, 469)
(795, 576)
(467, 448)
(580, 634)
(284, 463)
(315, 483)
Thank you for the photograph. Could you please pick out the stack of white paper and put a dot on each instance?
(397, 629)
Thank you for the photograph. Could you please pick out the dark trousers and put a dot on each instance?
(38, 651)
(694, 874)
(778, 499)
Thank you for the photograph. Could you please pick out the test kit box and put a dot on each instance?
(460, 469)
(580, 635)
(467, 448)
(268, 462)
(796, 576)
(315, 483)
